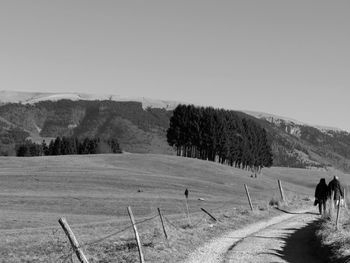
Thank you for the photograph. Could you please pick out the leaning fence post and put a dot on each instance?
(249, 200)
(281, 190)
(161, 220)
(73, 241)
(131, 215)
(212, 217)
(338, 212)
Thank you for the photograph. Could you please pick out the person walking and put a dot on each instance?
(335, 190)
(321, 194)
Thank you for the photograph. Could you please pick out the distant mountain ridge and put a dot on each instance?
(35, 97)
(276, 119)
(140, 125)
(300, 145)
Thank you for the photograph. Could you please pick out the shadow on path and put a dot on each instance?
(303, 246)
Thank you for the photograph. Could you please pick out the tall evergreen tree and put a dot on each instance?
(219, 135)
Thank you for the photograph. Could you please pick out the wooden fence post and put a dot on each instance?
(281, 190)
(338, 212)
(142, 260)
(188, 213)
(249, 200)
(212, 217)
(73, 241)
(161, 220)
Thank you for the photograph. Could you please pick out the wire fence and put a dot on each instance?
(179, 226)
(99, 240)
(68, 256)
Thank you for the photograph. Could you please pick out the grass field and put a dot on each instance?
(93, 192)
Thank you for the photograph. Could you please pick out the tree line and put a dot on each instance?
(68, 146)
(219, 135)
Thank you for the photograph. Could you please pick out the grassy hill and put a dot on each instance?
(103, 185)
(92, 192)
(143, 130)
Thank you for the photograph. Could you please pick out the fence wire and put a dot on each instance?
(173, 225)
(200, 221)
(64, 258)
(68, 257)
(115, 233)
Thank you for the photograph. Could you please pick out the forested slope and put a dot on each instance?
(143, 130)
(136, 129)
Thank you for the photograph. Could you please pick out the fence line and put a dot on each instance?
(200, 221)
(72, 250)
(172, 223)
(116, 233)
(65, 257)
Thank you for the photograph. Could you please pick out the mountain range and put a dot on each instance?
(140, 126)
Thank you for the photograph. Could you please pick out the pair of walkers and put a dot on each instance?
(324, 191)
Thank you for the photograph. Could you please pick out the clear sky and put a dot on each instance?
(290, 58)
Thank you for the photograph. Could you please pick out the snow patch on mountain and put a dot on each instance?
(292, 123)
(34, 97)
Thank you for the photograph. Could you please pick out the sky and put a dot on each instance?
(289, 58)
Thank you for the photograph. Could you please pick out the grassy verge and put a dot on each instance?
(334, 242)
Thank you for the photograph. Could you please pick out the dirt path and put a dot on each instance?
(286, 238)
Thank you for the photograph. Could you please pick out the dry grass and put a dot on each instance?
(92, 192)
(335, 240)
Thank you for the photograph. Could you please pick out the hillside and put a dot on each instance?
(138, 130)
(140, 127)
(300, 145)
(93, 191)
(105, 184)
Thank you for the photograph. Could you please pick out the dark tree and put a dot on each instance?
(219, 135)
(69, 145)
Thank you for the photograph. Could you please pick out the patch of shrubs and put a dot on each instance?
(68, 146)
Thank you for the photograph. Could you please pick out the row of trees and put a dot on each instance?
(219, 135)
(69, 146)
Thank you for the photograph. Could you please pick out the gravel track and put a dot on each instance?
(285, 238)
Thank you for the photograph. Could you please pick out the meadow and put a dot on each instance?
(93, 192)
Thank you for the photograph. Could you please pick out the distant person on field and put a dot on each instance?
(321, 195)
(335, 190)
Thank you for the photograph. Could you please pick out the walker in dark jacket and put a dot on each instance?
(321, 195)
(335, 188)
